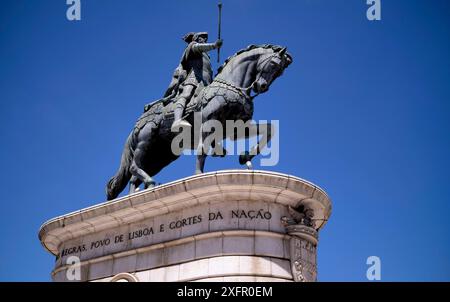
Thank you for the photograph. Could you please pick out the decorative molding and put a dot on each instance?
(223, 186)
(124, 276)
(303, 251)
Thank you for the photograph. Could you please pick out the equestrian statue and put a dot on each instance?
(193, 90)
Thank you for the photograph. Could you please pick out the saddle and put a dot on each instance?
(165, 107)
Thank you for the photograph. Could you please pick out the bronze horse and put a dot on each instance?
(148, 147)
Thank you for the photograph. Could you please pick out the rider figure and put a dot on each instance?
(196, 63)
(179, 75)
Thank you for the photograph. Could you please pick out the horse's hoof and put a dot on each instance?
(150, 185)
(224, 153)
(244, 158)
(249, 165)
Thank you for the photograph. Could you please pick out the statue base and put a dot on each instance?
(236, 225)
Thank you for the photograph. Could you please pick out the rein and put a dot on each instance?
(243, 91)
(247, 90)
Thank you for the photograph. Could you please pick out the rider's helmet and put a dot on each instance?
(188, 38)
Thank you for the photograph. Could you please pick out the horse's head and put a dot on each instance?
(269, 67)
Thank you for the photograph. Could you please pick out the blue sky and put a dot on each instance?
(364, 113)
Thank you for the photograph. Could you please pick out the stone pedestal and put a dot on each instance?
(236, 225)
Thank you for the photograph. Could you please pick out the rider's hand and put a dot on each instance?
(219, 43)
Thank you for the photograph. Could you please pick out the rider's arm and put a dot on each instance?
(205, 47)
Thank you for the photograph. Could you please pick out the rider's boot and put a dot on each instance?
(178, 113)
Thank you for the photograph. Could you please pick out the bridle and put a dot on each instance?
(246, 92)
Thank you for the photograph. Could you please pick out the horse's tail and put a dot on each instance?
(119, 181)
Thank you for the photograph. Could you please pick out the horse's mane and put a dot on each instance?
(248, 48)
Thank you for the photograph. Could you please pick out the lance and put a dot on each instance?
(220, 30)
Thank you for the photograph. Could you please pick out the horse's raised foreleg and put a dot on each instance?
(263, 129)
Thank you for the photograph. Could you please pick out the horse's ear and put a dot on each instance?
(283, 51)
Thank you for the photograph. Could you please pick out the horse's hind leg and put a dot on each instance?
(140, 153)
(134, 184)
(138, 164)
